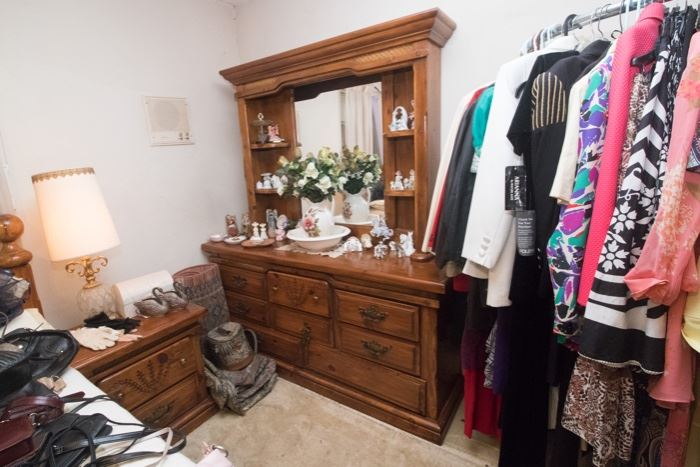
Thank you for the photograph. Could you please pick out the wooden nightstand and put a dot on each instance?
(159, 378)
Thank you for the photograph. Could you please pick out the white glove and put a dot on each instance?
(96, 338)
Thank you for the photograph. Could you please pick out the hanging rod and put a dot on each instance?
(579, 21)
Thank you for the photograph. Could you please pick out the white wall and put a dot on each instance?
(72, 80)
(319, 122)
(488, 32)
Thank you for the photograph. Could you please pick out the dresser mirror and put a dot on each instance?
(342, 113)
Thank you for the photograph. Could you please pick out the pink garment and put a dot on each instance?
(638, 40)
(676, 436)
(676, 383)
(667, 263)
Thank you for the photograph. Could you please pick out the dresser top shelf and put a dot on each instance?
(362, 266)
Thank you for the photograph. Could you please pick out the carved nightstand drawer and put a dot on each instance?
(397, 319)
(242, 306)
(304, 325)
(382, 349)
(164, 408)
(152, 375)
(242, 280)
(303, 293)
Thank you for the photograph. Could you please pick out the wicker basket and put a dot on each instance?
(202, 285)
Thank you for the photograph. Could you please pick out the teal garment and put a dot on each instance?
(479, 122)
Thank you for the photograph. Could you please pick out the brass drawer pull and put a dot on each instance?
(316, 298)
(119, 396)
(239, 282)
(183, 361)
(275, 288)
(375, 349)
(372, 314)
(241, 308)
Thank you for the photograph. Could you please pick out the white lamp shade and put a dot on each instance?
(74, 214)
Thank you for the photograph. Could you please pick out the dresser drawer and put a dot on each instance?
(145, 378)
(287, 349)
(386, 350)
(391, 385)
(294, 322)
(397, 319)
(243, 306)
(242, 280)
(303, 293)
(168, 405)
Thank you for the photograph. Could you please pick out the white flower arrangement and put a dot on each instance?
(359, 170)
(316, 177)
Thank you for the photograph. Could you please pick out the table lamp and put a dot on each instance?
(77, 225)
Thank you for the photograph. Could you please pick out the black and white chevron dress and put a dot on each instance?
(618, 330)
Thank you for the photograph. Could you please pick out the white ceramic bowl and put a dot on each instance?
(216, 238)
(318, 243)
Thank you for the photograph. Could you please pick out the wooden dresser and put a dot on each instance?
(159, 378)
(368, 333)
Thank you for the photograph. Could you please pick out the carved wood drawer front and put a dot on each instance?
(391, 385)
(382, 349)
(302, 293)
(242, 280)
(397, 319)
(285, 348)
(242, 306)
(152, 375)
(303, 324)
(164, 408)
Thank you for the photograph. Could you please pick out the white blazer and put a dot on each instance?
(490, 237)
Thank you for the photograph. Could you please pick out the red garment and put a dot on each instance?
(460, 283)
(638, 40)
(433, 231)
(482, 408)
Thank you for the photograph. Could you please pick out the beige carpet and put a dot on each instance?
(293, 427)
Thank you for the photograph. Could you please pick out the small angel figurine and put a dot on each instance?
(263, 232)
(231, 226)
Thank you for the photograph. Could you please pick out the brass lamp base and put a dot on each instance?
(94, 297)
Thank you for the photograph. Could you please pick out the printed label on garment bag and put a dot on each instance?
(516, 188)
(525, 232)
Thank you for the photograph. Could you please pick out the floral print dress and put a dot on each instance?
(566, 245)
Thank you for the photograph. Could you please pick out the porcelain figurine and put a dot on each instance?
(276, 182)
(409, 183)
(263, 232)
(273, 134)
(231, 226)
(406, 241)
(256, 232)
(352, 244)
(176, 299)
(397, 183)
(380, 251)
(281, 230)
(366, 240)
(399, 119)
(259, 185)
(266, 181)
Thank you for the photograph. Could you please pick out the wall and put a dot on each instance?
(488, 32)
(72, 82)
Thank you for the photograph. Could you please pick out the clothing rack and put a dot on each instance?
(579, 21)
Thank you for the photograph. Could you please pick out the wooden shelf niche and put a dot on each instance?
(404, 54)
